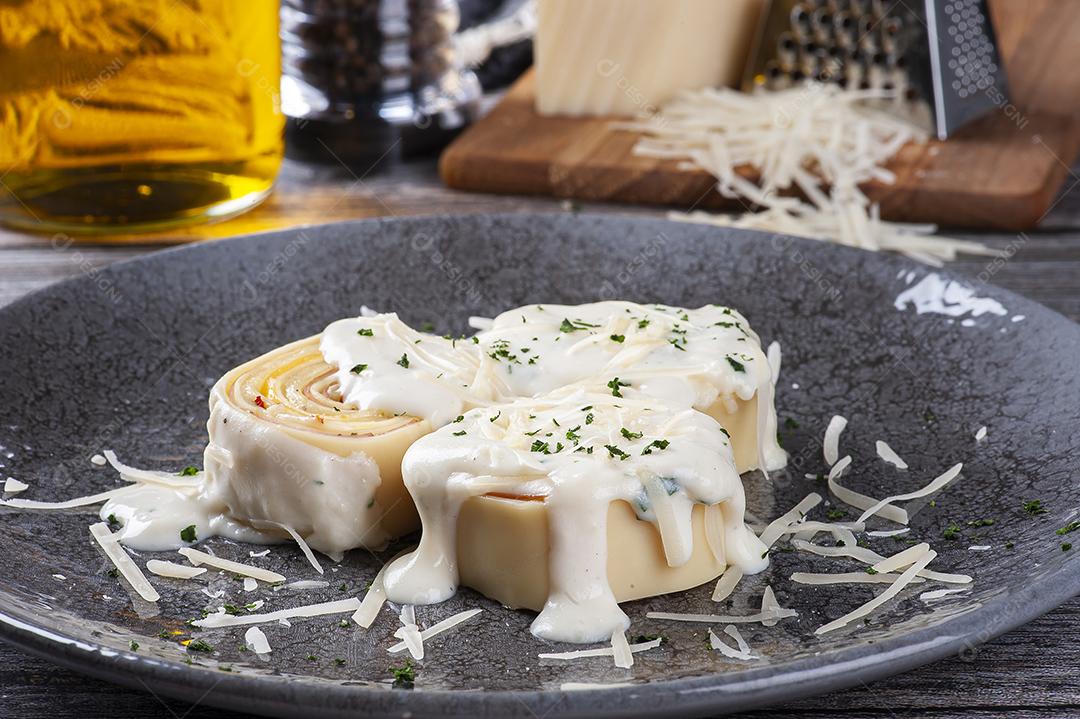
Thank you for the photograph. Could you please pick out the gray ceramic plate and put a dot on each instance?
(123, 358)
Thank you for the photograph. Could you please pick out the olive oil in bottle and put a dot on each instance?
(135, 115)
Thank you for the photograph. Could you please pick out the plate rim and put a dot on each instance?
(756, 687)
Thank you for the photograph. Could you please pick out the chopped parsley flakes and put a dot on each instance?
(614, 386)
(657, 443)
(189, 471)
(614, 451)
(365, 332)
(575, 325)
(735, 364)
(357, 369)
(1034, 507)
(187, 534)
(404, 674)
(404, 361)
(1068, 528)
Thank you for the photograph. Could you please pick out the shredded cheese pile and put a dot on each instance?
(817, 140)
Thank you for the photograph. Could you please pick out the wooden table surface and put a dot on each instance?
(1029, 673)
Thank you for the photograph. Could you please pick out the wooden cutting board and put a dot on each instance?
(1003, 172)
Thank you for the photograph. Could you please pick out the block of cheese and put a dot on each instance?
(628, 57)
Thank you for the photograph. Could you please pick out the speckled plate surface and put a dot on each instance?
(124, 358)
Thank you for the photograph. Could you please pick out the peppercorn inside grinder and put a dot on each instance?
(936, 60)
(367, 79)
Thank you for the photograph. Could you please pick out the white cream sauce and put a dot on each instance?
(580, 451)
(682, 358)
(256, 475)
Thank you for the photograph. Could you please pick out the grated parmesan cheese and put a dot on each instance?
(98, 460)
(250, 585)
(845, 578)
(256, 641)
(881, 506)
(123, 562)
(871, 557)
(981, 434)
(308, 554)
(147, 476)
(831, 444)
(861, 501)
(620, 649)
(173, 570)
(742, 652)
(888, 454)
(816, 139)
(440, 627)
(731, 577)
(898, 586)
(198, 558)
(409, 634)
(939, 593)
(14, 486)
(902, 559)
(600, 652)
(221, 619)
(66, 504)
(889, 532)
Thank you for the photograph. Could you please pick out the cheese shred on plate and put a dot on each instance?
(831, 444)
(439, 627)
(197, 558)
(256, 641)
(599, 652)
(123, 563)
(173, 570)
(898, 586)
(222, 619)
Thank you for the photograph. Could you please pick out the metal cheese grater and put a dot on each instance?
(939, 56)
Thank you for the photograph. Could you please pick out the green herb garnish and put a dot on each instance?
(189, 471)
(614, 451)
(365, 333)
(735, 364)
(568, 326)
(404, 675)
(614, 386)
(404, 361)
(357, 369)
(657, 443)
(629, 435)
(1034, 507)
(618, 338)
(198, 645)
(187, 534)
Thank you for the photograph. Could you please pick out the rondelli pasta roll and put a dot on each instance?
(606, 499)
(284, 451)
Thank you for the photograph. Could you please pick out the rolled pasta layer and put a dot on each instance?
(285, 450)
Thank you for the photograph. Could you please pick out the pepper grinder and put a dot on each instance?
(366, 79)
